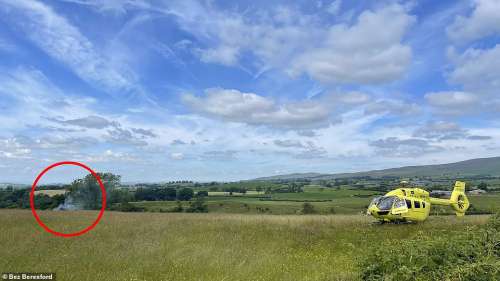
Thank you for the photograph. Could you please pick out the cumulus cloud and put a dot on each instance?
(110, 155)
(124, 136)
(307, 133)
(440, 130)
(235, 106)
(453, 103)
(178, 142)
(480, 138)
(91, 122)
(368, 51)
(144, 132)
(13, 148)
(444, 130)
(311, 151)
(176, 155)
(410, 147)
(483, 21)
(392, 107)
(288, 143)
(477, 70)
(219, 155)
(55, 142)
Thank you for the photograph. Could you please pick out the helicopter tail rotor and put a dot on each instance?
(459, 200)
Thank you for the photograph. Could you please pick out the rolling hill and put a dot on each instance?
(480, 166)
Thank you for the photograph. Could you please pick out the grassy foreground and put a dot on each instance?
(171, 246)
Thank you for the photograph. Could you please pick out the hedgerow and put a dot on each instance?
(471, 255)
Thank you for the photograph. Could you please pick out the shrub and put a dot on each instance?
(473, 255)
(178, 208)
(202, 193)
(127, 207)
(198, 206)
(308, 208)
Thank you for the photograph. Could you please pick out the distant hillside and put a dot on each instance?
(480, 166)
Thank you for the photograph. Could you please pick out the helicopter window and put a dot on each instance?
(399, 203)
(408, 204)
(375, 201)
(417, 204)
(385, 203)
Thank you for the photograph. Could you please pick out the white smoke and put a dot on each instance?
(69, 205)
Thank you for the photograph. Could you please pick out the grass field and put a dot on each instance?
(324, 200)
(51, 192)
(170, 246)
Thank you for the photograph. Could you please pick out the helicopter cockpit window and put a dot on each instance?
(385, 203)
(375, 201)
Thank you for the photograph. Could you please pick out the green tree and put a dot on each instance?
(185, 194)
(87, 191)
(483, 186)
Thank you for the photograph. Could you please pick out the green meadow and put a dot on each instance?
(213, 246)
(324, 201)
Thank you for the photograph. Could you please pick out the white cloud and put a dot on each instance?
(93, 122)
(288, 143)
(369, 51)
(235, 106)
(12, 148)
(477, 70)
(396, 147)
(334, 7)
(392, 107)
(445, 130)
(176, 156)
(454, 103)
(110, 156)
(440, 129)
(30, 95)
(482, 22)
(61, 40)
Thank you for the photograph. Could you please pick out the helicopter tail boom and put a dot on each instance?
(458, 200)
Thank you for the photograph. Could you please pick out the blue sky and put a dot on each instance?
(212, 90)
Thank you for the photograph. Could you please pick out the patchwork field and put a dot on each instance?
(324, 201)
(170, 246)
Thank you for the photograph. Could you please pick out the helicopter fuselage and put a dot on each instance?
(414, 204)
(402, 204)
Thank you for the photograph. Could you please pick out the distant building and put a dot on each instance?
(440, 193)
(477, 192)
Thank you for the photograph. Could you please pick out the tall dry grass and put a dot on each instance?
(168, 246)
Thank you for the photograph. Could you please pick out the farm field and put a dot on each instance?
(171, 246)
(51, 192)
(324, 200)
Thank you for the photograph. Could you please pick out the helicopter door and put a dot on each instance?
(399, 206)
(419, 208)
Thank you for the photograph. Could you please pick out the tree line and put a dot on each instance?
(85, 193)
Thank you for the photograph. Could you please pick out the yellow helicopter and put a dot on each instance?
(414, 204)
